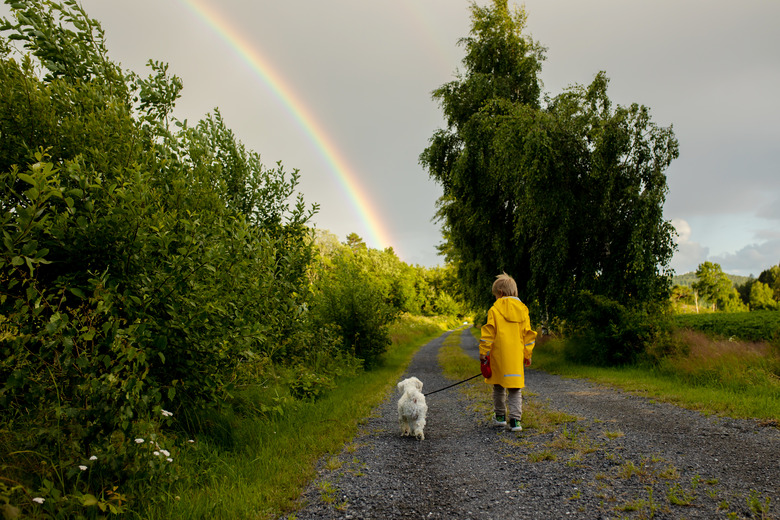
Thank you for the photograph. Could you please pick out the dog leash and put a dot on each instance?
(454, 384)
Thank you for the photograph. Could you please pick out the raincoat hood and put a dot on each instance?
(511, 309)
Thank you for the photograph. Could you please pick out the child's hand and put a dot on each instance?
(482, 357)
(527, 362)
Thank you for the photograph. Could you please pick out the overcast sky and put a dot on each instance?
(363, 71)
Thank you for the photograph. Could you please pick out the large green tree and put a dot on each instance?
(715, 287)
(565, 194)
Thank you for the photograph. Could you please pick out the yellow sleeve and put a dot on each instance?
(529, 341)
(488, 334)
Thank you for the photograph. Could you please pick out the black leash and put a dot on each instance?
(454, 384)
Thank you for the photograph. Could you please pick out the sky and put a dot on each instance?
(341, 91)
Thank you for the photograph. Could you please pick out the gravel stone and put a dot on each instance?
(644, 457)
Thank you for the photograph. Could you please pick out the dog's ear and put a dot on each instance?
(400, 386)
(418, 384)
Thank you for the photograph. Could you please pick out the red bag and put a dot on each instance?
(485, 367)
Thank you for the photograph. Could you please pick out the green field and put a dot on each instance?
(746, 326)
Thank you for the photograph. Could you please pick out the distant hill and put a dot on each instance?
(688, 279)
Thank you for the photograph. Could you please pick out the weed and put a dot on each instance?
(669, 473)
(327, 492)
(678, 496)
(632, 505)
(629, 469)
(542, 455)
(575, 459)
(333, 463)
(613, 434)
(758, 508)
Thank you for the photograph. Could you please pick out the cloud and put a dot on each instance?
(771, 211)
(689, 254)
(744, 261)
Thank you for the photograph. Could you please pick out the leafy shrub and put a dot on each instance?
(138, 266)
(608, 333)
(310, 386)
(347, 297)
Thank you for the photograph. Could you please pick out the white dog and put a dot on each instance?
(412, 408)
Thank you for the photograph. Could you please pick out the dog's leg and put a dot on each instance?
(404, 425)
(419, 424)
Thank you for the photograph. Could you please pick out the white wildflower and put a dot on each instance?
(39, 500)
(156, 453)
(169, 459)
(166, 453)
(93, 457)
(139, 441)
(190, 440)
(166, 413)
(83, 468)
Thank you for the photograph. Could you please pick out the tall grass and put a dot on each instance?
(274, 458)
(732, 378)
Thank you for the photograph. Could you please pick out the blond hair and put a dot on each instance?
(504, 286)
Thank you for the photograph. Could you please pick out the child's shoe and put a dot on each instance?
(499, 420)
(514, 425)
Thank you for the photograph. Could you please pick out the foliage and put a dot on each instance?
(714, 286)
(688, 279)
(715, 289)
(747, 326)
(349, 298)
(309, 385)
(140, 267)
(762, 293)
(608, 333)
(761, 297)
(277, 455)
(411, 289)
(567, 196)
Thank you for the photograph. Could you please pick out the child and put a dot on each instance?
(508, 338)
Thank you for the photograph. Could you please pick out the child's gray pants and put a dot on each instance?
(508, 400)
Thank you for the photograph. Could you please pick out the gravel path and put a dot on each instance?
(620, 456)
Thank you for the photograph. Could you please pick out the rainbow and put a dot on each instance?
(378, 235)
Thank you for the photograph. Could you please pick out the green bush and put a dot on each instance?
(139, 267)
(608, 333)
(348, 297)
(310, 386)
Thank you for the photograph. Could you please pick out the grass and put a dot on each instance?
(730, 378)
(275, 458)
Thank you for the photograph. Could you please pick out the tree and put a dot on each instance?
(713, 285)
(566, 196)
(771, 277)
(761, 297)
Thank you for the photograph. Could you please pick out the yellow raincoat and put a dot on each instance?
(508, 337)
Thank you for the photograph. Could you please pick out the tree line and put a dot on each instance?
(713, 289)
(149, 268)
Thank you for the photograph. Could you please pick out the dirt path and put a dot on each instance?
(609, 455)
